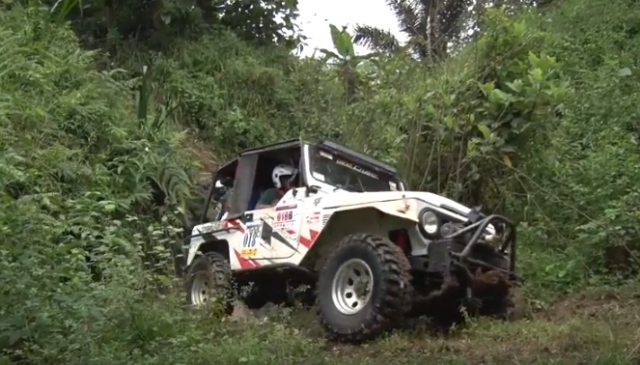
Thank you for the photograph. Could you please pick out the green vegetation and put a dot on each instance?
(105, 127)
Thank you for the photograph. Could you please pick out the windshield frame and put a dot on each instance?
(350, 162)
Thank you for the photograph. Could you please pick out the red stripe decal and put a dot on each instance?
(234, 223)
(313, 234)
(304, 241)
(307, 242)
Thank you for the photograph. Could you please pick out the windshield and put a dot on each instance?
(341, 173)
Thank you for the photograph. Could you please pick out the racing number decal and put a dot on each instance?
(251, 235)
(249, 241)
(284, 216)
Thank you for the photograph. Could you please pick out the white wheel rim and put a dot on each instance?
(352, 286)
(201, 290)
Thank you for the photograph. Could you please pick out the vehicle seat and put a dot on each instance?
(255, 197)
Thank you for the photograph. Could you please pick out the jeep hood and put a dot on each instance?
(345, 198)
(398, 203)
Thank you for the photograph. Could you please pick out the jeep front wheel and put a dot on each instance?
(208, 282)
(363, 289)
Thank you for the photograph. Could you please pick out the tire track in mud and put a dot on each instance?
(574, 329)
(600, 303)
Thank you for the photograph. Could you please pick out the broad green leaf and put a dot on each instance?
(499, 96)
(488, 87)
(335, 38)
(533, 59)
(342, 42)
(546, 63)
(347, 43)
(626, 71)
(486, 132)
(507, 161)
(536, 75)
(515, 86)
(449, 122)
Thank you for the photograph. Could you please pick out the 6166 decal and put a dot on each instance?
(284, 216)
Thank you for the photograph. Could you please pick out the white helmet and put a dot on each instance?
(280, 171)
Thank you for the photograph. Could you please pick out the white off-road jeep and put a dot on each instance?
(372, 252)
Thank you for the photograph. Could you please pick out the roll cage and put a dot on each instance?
(245, 173)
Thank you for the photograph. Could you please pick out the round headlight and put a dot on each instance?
(430, 223)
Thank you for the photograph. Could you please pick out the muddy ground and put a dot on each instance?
(596, 327)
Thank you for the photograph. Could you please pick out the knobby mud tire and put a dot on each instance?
(499, 298)
(502, 302)
(483, 253)
(391, 296)
(217, 268)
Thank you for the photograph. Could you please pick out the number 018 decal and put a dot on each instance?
(251, 236)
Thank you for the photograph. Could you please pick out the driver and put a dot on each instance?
(282, 176)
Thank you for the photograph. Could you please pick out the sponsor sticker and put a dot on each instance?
(286, 207)
(249, 252)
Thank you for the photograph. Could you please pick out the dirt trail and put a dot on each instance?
(578, 329)
(599, 304)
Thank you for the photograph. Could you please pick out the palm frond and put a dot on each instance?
(408, 14)
(375, 39)
(423, 5)
(451, 17)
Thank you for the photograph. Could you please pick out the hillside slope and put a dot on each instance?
(96, 172)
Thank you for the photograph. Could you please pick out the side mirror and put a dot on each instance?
(313, 189)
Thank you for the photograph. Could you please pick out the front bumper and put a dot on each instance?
(507, 246)
(459, 246)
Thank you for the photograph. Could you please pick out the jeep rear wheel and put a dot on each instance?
(363, 289)
(208, 282)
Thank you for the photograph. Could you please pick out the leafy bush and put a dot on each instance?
(78, 173)
(537, 117)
